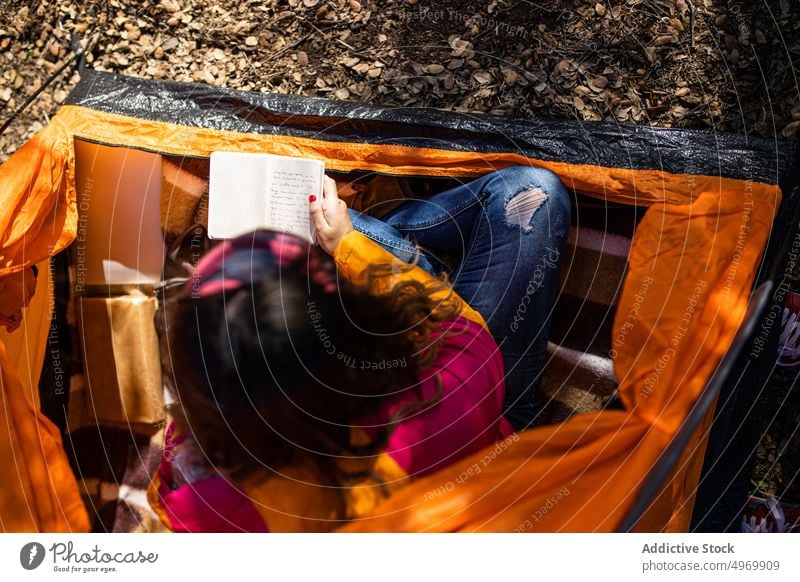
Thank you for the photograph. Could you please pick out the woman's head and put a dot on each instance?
(273, 357)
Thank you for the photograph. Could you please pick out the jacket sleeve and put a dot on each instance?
(356, 252)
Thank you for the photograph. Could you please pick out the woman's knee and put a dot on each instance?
(528, 188)
(520, 177)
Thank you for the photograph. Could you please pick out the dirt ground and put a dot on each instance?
(720, 65)
(649, 62)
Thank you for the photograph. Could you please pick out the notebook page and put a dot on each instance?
(237, 191)
(290, 182)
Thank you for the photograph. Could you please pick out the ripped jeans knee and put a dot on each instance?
(526, 190)
(522, 206)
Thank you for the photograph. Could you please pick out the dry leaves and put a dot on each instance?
(627, 62)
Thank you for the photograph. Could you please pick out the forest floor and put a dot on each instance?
(720, 65)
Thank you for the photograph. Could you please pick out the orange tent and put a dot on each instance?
(708, 207)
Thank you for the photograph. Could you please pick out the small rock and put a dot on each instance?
(679, 111)
(374, 73)
(204, 76)
(158, 53)
(434, 69)
(302, 58)
(562, 66)
(461, 48)
(251, 41)
(341, 93)
(418, 68)
(600, 9)
(171, 6)
(510, 76)
(482, 77)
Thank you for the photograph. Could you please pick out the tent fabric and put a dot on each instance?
(39, 492)
(37, 196)
(26, 345)
(37, 219)
(690, 272)
(611, 145)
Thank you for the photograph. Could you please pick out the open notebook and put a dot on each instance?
(252, 191)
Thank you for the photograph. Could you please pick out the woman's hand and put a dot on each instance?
(330, 217)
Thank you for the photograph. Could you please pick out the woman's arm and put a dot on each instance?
(354, 252)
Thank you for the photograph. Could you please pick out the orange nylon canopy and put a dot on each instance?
(691, 269)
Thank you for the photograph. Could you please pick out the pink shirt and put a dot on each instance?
(469, 414)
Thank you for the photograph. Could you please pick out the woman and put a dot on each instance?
(308, 388)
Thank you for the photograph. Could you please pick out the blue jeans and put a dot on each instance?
(507, 230)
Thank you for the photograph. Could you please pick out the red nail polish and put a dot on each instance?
(312, 198)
